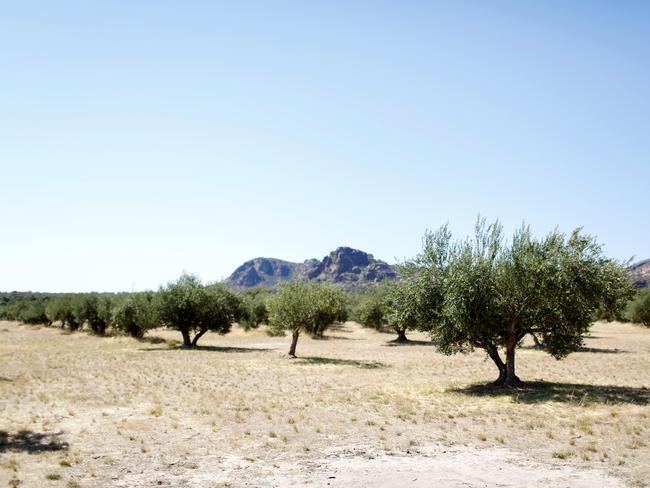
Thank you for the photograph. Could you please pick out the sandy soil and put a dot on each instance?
(353, 410)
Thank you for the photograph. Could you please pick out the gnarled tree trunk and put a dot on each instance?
(494, 355)
(401, 335)
(197, 336)
(294, 342)
(511, 345)
(186, 338)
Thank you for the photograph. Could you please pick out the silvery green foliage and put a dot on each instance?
(193, 308)
(254, 308)
(372, 308)
(483, 292)
(309, 307)
(136, 313)
(639, 308)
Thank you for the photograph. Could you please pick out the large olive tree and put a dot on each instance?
(486, 293)
(193, 308)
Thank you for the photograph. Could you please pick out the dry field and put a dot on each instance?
(354, 410)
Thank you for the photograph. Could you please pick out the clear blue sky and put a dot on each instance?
(139, 139)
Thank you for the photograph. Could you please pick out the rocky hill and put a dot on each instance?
(345, 267)
(639, 273)
(266, 272)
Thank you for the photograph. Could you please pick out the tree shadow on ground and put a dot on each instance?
(576, 393)
(601, 350)
(335, 338)
(395, 343)
(597, 350)
(208, 348)
(338, 327)
(343, 362)
(153, 340)
(31, 442)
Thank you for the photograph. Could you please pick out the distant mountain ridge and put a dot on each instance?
(345, 267)
(639, 273)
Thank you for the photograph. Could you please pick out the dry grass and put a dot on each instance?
(77, 410)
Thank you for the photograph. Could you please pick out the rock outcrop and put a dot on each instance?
(639, 273)
(345, 267)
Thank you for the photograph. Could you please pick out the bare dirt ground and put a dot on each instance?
(354, 410)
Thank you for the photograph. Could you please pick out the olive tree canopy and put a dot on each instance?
(308, 307)
(484, 293)
(193, 308)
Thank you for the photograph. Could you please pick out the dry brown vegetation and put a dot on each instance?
(82, 411)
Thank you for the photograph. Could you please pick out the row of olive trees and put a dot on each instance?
(27, 310)
(185, 305)
(193, 309)
(480, 292)
(485, 293)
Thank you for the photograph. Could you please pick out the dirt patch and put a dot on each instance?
(440, 466)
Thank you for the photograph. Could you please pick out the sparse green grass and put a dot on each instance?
(563, 454)
(156, 411)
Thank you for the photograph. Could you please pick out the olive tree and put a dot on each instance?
(639, 308)
(93, 310)
(308, 307)
(330, 307)
(391, 306)
(136, 313)
(254, 310)
(402, 309)
(28, 311)
(371, 309)
(190, 307)
(62, 309)
(489, 294)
